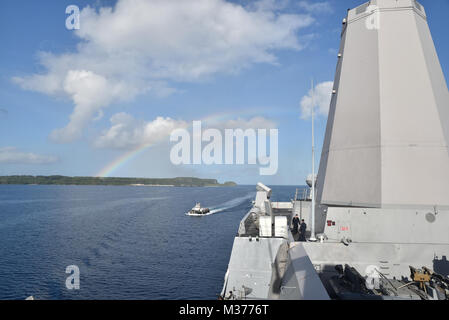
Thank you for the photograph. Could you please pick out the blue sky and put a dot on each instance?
(243, 62)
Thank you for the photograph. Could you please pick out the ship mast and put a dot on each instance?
(312, 224)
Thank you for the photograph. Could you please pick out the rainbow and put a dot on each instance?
(132, 154)
(122, 160)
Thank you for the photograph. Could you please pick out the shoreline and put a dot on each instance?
(113, 181)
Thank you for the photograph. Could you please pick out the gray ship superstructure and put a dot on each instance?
(382, 189)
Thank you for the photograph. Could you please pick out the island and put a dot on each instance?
(114, 181)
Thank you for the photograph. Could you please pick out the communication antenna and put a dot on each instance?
(312, 224)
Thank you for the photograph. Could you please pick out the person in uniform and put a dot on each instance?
(295, 224)
(302, 231)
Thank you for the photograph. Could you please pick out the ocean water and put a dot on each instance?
(128, 242)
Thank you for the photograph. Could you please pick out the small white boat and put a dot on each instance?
(197, 210)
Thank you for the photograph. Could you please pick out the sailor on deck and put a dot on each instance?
(295, 224)
(302, 231)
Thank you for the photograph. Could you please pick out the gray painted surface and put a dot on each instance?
(388, 225)
(392, 259)
(301, 280)
(251, 266)
(388, 129)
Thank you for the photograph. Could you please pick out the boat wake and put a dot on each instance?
(225, 206)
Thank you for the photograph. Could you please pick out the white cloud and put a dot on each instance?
(322, 98)
(14, 156)
(127, 132)
(252, 123)
(316, 7)
(269, 5)
(143, 45)
(90, 92)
